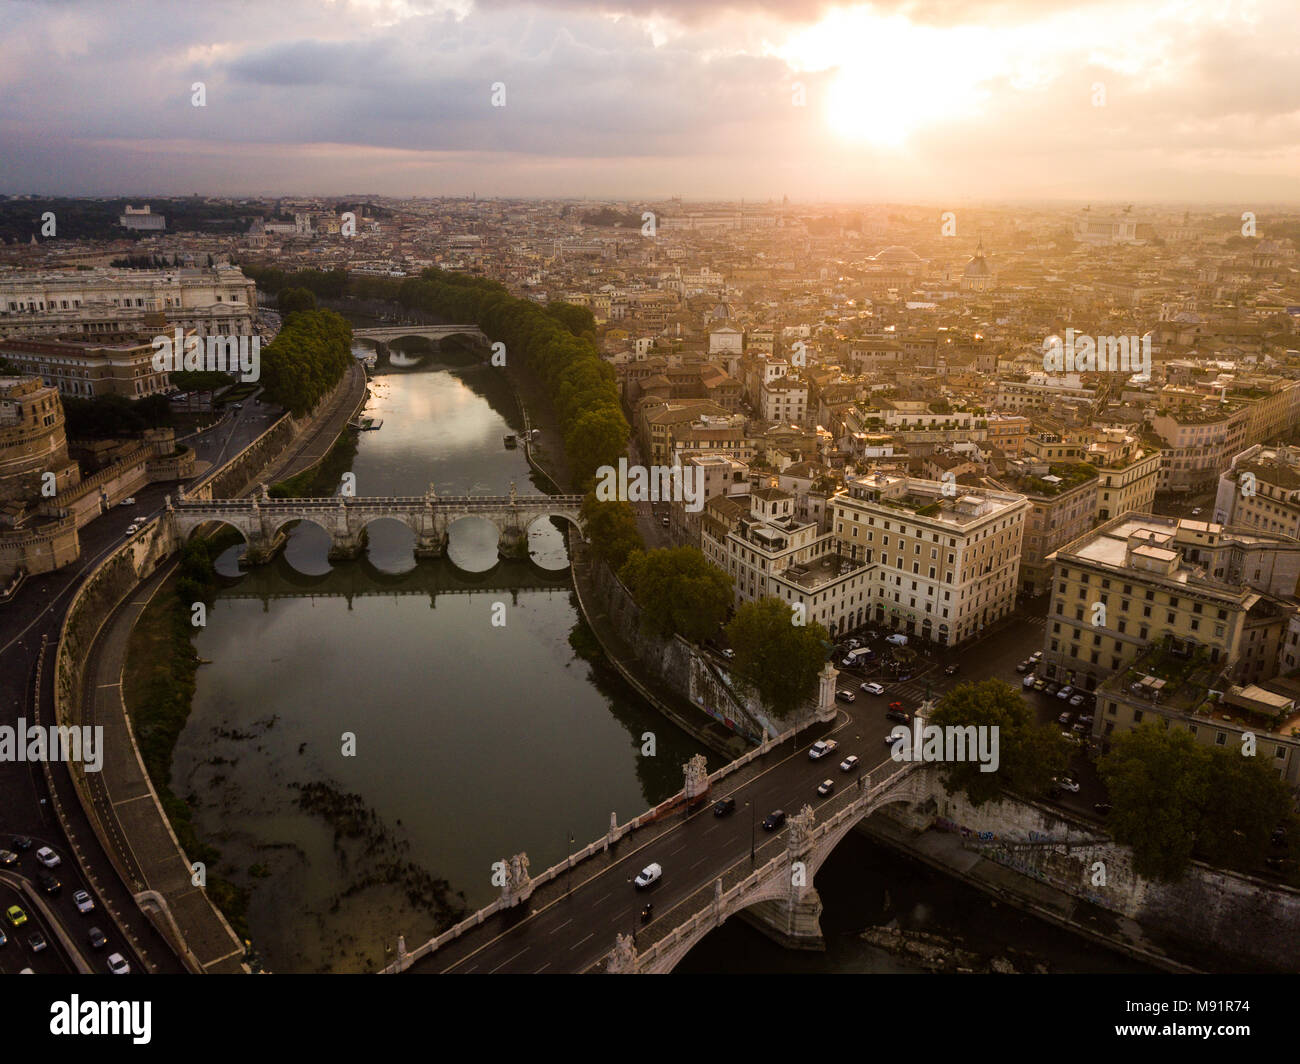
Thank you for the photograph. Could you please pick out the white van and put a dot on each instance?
(651, 873)
(855, 658)
(897, 639)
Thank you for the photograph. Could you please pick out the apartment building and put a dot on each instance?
(1062, 506)
(943, 567)
(769, 552)
(1041, 391)
(1198, 444)
(88, 369)
(1140, 579)
(1261, 491)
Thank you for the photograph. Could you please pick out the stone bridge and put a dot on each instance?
(575, 916)
(383, 335)
(262, 520)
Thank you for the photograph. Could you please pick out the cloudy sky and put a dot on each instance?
(905, 100)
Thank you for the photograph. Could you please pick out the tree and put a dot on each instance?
(678, 590)
(596, 438)
(1246, 799)
(611, 528)
(291, 300)
(1029, 754)
(781, 659)
(1158, 780)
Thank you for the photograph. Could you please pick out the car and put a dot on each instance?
(16, 916)
(896, 640)
(4, 939)
(899, 716)
(48, 857)
(846, 696)
(826, 787)
(238, 406)
(1064, 718)
(1036, 656)
(774, 820)
(36, 941)
(650, 874)
(1086, 718)
(891, 739)
(1076, 699)
(1067, 784)
(904, 676)
(1079, 727)
(854, 644)
(8, 857)
(950, 670)
(49, 883)
(1065, 692)
(117, 964)
(665, 522)
(1051, 687)
(96, 938)
(1196, 512)
(873, 689)
(1071, 737)
(84, 902)
(728, 653)
(725, 807)
(849, 763)
(127, 502)
(1039, 683)
(1025, 666)
(821, 748)
(1029, 681)
(22, 843)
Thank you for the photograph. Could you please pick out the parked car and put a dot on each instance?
(1051, 687)
(897, 639)
(774, 820)
(48, 857)
(96, 938)
(1040, 683)
(1036, 656)
(127, 502)
(827, 786)
(728, 653)
(1067, 784)
(873, 689)
(951, 670)
(1064, 718)
(821, 748)
(1076, 699)
(1025, 666)
(117, 965)
(650, 874)
(846, 696)
(849, 763)
(1029, 681)
(725, 807)
(1065, 692)
(84, 902)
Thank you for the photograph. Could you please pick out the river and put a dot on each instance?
(366, 742)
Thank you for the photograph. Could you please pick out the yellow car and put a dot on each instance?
(16, 916)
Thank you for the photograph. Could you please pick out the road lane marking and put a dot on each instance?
(563, 925)
(508, 960)
(577, 944)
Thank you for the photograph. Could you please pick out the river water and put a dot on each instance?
(365, 741)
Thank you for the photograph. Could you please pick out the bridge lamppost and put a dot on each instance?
(752, 829)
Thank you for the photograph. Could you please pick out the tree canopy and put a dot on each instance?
(611, 528)
(679, 591)
(307, 358)
(781, 659)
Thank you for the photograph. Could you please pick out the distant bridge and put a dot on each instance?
(262, 520)
(383, 335)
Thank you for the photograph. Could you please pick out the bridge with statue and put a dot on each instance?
(585, 915)
(263, 521)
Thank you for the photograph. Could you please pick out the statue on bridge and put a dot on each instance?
(622, 959)
(800, 834)
(264, 493)
(697, 777)
(519, 884)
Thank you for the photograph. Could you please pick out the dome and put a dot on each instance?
(978, 266)
(898, 253)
